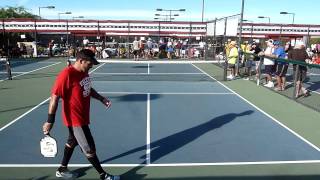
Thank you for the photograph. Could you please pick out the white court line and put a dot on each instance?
(34, 70)
(148, 150)
(281, 124)
(93, 70)
(148, 68)
(15, 120)
(18, 118)
(32, 62)
(168, 93)
(146, 73)
(16, 72)
(171, 164)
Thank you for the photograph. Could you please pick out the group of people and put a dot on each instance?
(274, 62)
(170, 49)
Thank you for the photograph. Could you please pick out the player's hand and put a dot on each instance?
(106, 102)
(47, 127)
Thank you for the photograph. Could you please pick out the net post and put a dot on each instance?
(259, 70)
(8, 67)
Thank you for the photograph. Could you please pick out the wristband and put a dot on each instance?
(51, 118)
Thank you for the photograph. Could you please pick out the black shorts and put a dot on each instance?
(269, 69)
(231, 65)
(281, 70)
(136, 52)
(81, 136)
(302, 74)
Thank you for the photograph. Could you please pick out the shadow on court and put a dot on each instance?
(137, 97)
(171, 143)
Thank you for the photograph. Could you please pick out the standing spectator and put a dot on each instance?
(282, 67)
(149, 48)
(232, 59)
(136, 48)
(298, 53)
(141, 48)
(30, 51)
(170, 51)
(255, 49)
(178, 48)
(269, 63)
(51, 43)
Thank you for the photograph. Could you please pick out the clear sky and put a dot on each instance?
(305, 10)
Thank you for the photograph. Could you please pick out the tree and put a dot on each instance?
(16, 12)
(8, 40)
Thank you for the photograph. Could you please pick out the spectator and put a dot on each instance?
(282, 67)
(255, 49)
(269, 63)
(298, 53)
(136, 48)
(51, 43)
(149, 48)
(170, 51)
(232, 59)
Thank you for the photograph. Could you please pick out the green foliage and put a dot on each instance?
(315, 41)
(16, 12)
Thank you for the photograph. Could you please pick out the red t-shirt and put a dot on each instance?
(74, 88)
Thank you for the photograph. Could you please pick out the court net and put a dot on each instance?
(156, 70)
(311, 79)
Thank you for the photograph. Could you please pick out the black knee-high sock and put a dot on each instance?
(96, 164)
(67, 155)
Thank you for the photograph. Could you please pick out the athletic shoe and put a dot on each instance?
(230, 77)
(109, 177)
(269, 84)
(66, 174)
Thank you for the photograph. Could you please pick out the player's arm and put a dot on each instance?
(101, 98)
(53, 105)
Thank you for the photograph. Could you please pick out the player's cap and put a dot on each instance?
(87, 54)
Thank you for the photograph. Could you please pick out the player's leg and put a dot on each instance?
(62, 171)
(86, 142)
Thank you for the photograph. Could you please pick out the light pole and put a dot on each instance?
(166, 17)
(293, 14)
(264, 17)
(246, 20)
(202, 11)
(240, 35)
(63, 13)
(171, 10)
(48, 7)
(77, 17)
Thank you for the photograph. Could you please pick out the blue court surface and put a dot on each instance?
(162, 114)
